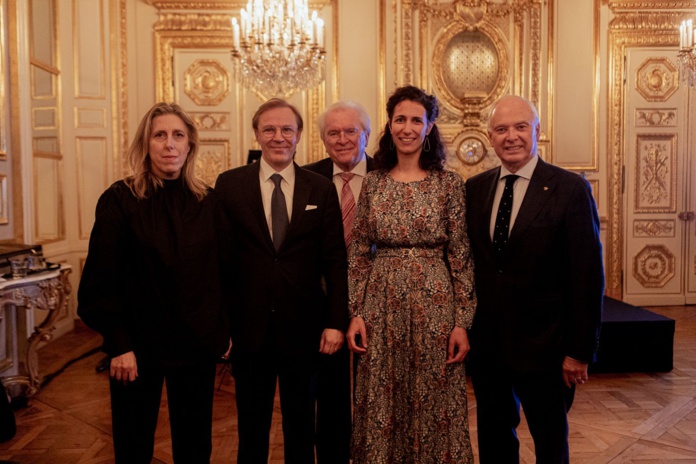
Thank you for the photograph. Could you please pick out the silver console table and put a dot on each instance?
(44, 291)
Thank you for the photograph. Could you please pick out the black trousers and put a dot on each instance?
(135, 406)
(333, 408)
(545, 400)
(255, 376)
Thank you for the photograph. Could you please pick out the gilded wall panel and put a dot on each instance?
(44, 118)
(469, 54)
(92, 155)
(213, 158)
(89, 49)
(656, 177)
(90, 118)
(48, 199)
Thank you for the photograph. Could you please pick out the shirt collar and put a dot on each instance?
(360, 169)
(266, 171)
(525, 172)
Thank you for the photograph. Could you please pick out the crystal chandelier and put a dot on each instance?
(687, 53)
(278, 49)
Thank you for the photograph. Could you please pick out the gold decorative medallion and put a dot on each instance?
(211, 121)
(657, 79)
(653, 266)
(206, 82)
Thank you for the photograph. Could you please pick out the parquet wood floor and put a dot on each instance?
(617, 418)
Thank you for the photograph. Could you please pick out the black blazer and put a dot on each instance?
(544, 300)
(325, 167)
(287, 284)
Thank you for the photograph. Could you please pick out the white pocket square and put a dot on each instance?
(310, 207)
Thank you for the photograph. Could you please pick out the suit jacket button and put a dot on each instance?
(500, 271)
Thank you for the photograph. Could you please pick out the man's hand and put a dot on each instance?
(574, 372)
(331, 341)
(124, 368)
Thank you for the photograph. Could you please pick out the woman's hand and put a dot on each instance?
(357, 335)
(124, 368)
(458, 346)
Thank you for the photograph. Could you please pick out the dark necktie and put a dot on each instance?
(347, 207)
(502, 219)
(279, 213)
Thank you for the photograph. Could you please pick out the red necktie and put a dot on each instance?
(347, 207)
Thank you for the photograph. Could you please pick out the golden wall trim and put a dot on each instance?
(618, 42)
(648, 5)
(119, 86)
(5, 122)
(15, 136)
(649, 21)
(4, 211)
(214, 4)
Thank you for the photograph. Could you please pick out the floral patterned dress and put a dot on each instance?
(411, 280)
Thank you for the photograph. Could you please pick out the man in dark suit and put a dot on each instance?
(345, 129)
(539, 281)
(287, 239)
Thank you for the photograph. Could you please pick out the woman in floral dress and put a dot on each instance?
(411, 296)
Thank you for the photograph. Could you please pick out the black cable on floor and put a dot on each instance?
(47, 378)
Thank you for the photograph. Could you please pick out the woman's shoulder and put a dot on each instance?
(446, 175)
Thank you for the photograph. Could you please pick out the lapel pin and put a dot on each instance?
(545, 188)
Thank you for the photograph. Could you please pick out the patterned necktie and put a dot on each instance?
(501, 231)
(347, 207)
(279, 212)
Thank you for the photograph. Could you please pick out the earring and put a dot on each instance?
(426, 144)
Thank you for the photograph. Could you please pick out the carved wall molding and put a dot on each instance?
(214, 4)
(658, 228)
(656, 117)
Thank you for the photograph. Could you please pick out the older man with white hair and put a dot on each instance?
(345, 130)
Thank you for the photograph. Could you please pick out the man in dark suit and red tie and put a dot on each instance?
(291, 286)
(345, 130)
(534, 232)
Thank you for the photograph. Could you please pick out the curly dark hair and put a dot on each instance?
(432, 159)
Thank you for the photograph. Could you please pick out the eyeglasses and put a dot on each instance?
(269, 132)
(334, 135)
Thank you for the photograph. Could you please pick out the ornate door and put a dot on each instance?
(659, 189)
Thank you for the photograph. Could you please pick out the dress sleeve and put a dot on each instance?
(360, 251)
(100, 297)
(459, 257)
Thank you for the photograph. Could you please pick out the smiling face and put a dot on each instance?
(278, 136)
(344, 138)
(513, 130)
(169, 146)
(409, 126)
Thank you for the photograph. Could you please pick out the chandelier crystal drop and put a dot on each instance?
(687, 53)
(278, 48)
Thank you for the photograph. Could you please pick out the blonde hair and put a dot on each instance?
(143, 181)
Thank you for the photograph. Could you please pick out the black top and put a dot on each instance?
(152, 282)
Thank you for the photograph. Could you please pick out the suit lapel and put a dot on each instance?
(300, 198)
(488, 187)
(541, 187)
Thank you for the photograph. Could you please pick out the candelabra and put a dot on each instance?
(278, 49)
(687, 53)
